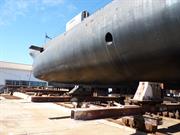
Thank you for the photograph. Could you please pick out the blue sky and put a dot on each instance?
(25, 22)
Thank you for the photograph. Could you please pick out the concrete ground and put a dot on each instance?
(21, 117)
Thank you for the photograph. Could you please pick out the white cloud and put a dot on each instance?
(11, 9)
(71, 7)
(52, 2)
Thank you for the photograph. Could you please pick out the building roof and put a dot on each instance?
(17, 66)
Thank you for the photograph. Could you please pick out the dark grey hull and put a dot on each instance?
(145, 46)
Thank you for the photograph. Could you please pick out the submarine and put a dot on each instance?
(124, 42)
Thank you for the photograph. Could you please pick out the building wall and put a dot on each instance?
(14, 71)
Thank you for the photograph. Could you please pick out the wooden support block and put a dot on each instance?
(177, 116)
(141, 122)
(105, 98)
(171, 114)
(166, 114)
(78, 99)
(170, 106)
(132, 123)
(51, 99)
(125, 121)
(89, 114)
(150, 127)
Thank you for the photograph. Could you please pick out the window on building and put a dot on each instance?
(25, 83)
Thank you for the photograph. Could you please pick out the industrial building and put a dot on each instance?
(18, 75)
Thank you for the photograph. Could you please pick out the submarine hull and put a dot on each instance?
(126, 41)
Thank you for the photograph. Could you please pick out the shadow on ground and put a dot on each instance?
(171, 129)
